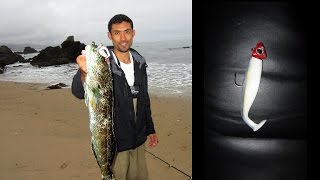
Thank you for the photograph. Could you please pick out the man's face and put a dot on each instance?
(121, 36)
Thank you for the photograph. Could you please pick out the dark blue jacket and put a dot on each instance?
(130, 133)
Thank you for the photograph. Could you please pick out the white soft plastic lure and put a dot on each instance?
(251, 84)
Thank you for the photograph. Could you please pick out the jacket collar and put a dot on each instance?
(135, 56)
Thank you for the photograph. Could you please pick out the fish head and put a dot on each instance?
(259, 51)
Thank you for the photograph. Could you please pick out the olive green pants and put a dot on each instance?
(131, 164)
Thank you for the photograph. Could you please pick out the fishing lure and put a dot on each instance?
(251, 84)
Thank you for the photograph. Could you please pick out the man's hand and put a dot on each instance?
(153, 140)
(82, 63)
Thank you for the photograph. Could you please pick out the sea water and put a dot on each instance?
(169, 68)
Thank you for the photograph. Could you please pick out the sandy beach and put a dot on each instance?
(44, 134)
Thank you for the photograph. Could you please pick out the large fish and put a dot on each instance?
(98, 88)
(251, 84)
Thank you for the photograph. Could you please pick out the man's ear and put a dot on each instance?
(109, 35)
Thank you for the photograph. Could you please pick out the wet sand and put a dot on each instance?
(45, 135)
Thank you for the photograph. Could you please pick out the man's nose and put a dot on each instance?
(122, 36)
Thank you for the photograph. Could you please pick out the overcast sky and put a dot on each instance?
(50, 22)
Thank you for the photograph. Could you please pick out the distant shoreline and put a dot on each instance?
(169, 69)
(19, 47)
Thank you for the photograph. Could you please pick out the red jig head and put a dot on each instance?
(259, 51)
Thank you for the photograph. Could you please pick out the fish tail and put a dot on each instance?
(101, 166)
(254, 126)
(108, 178)
(258, 126)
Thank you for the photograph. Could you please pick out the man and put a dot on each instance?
(132, 113)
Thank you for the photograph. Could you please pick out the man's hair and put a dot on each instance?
(119, 18)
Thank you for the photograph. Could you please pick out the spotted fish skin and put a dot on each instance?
(98, 88)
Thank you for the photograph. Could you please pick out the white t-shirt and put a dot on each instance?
(128, 69)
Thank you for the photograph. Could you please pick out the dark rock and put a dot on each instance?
(9, 57)
(49, 56)
(28, 50)
(65, 54)
(71, 49)
(70, 38)
(2, 68)
(57, 86)
(184, 47)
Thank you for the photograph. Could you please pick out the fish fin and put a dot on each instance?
(94, 153)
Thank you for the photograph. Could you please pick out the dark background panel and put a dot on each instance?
(231, 149)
